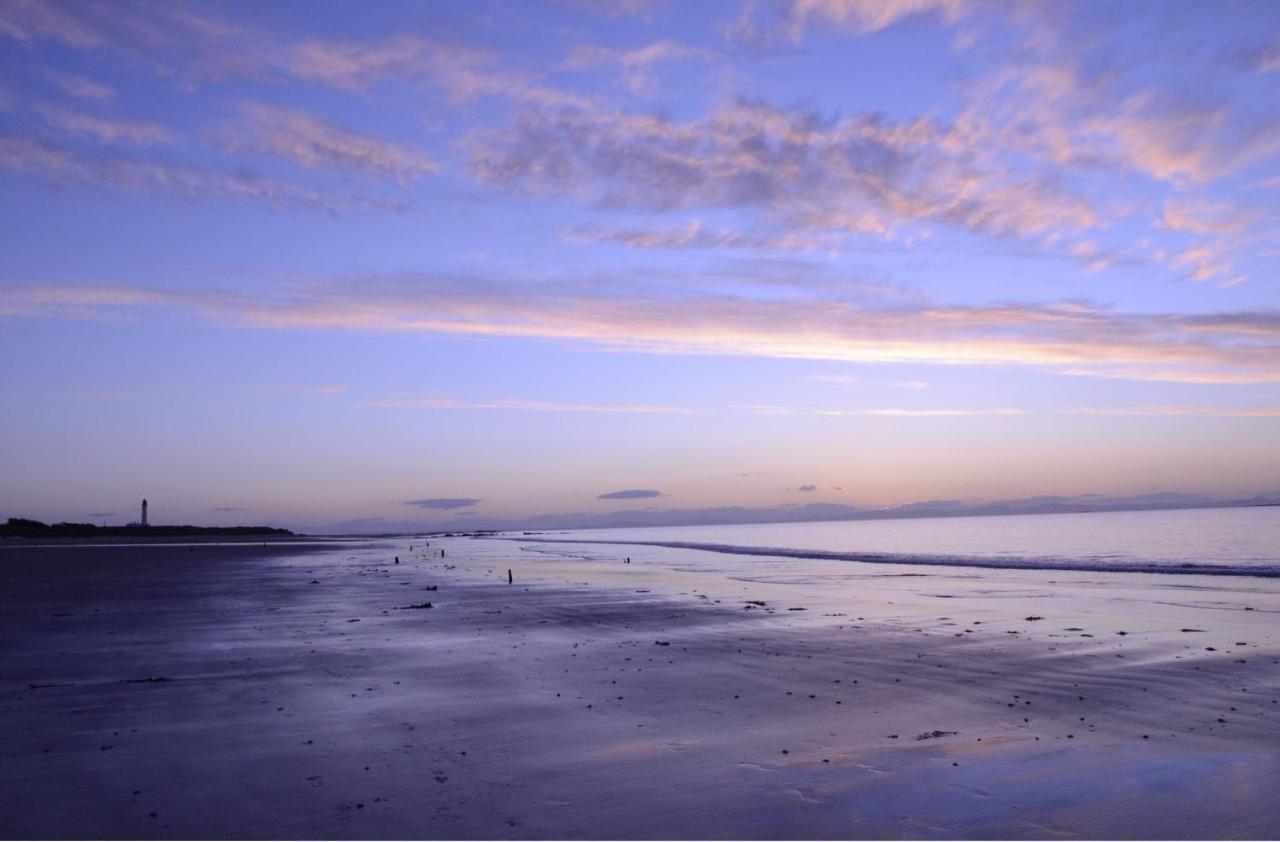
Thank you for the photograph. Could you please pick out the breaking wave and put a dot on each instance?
(1111, 564)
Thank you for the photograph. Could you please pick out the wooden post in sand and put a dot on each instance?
(397, 559)
(510, 579)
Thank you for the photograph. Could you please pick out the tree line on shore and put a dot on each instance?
(17, 527)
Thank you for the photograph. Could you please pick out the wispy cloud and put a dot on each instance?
(1262, 57)
(1019, 160)
(1219, 411)
(899, 412)
(636, 65)
(1118, 410)
(696, 235)
(764, 409)
(764, 25)
(618, 8)
(309, 142)
(66, 165)
(461, 72)
(1173, 375)
(195, 44)
(1070, 337)
(658, 52)
(1204, 217)
(853, 379)
(135, 132)
(30, 20)
(864, 173)
(80, 87)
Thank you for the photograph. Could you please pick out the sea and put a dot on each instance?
(1242, 541)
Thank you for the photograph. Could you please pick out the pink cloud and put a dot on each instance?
(864, 172)
(65, 165)
(1072, 339)
(134, 132)
(81, 87)
(311, 142)
(764, 24)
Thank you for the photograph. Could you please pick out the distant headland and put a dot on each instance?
(17, 527)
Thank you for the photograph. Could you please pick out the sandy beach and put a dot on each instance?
(292, 691)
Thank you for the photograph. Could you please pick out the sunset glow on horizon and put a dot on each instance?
(405, 263)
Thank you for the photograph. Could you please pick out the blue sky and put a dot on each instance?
(308, 262)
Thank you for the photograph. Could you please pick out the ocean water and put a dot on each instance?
(1215, 542)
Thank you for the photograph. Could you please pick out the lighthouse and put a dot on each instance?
(144, 512)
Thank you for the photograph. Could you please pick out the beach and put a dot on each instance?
(308, 691)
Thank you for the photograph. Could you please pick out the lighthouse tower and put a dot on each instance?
(144, 512)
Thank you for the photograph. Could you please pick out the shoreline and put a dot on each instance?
(306, 698)
(166, 540)
(925, 560)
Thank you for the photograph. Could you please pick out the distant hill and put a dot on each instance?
(804, 513)
(17, 527)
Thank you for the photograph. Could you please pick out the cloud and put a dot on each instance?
(102, 514)
(314, 143)
(228, 509)
(1219, 411)
(1029, 155)
(462, 73)
(1069, 337)
(765, 24)
(444, 502)
(199, 47)
(765, 409)
(865, 16)
(1175, 375)
(64, 165)
(807, 488)
(863, 174)
(1205, 262)
(135, 132)
(1218, 231)
(586, 56)
(838, 379)
(1044, 132)
(695, 235)
(637, 65)
(80, 87)
(1120, 410)
(630, 494)
(354, 65)
(897, 412)
(30, 20)
(1264, 58)
(1200, 217)
(618, 8)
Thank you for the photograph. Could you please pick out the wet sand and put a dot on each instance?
(244, 692)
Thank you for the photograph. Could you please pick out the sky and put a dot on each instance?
(308, 263)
